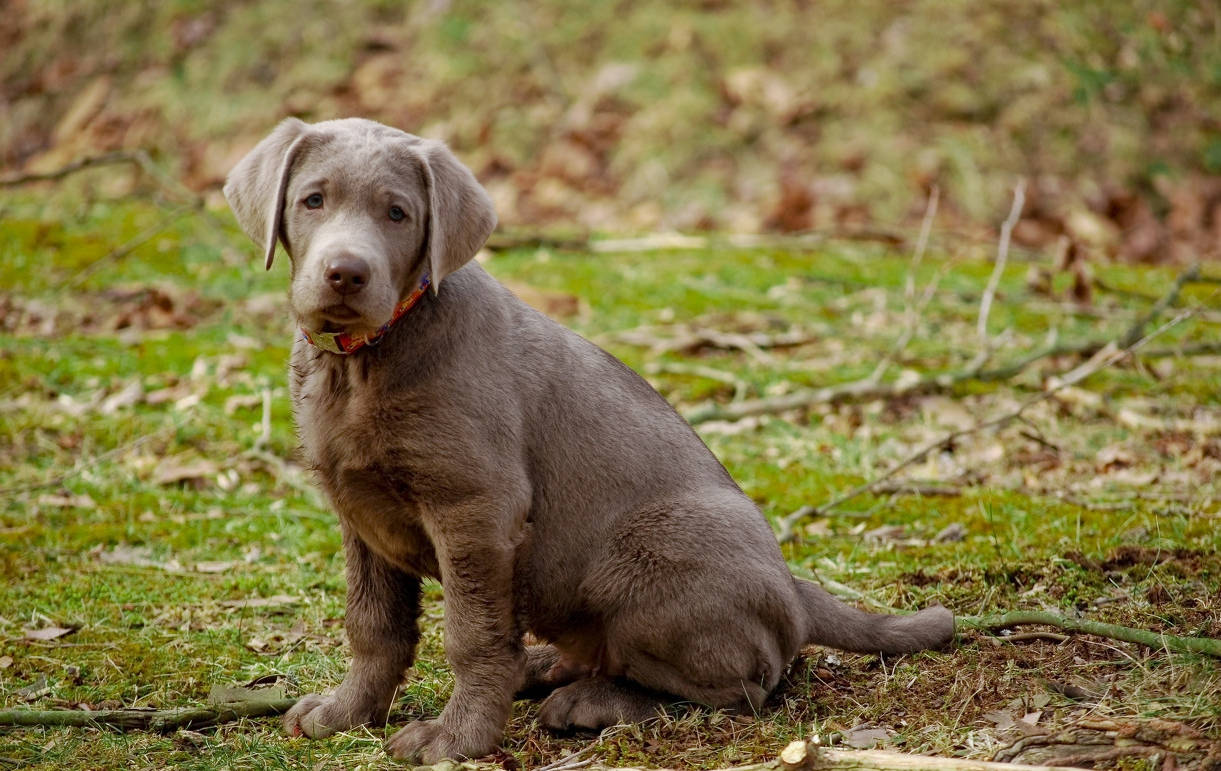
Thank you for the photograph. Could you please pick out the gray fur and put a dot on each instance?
(548, 487)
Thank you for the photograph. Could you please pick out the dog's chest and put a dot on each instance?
(363, 463)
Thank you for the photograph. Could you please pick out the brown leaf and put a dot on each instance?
(172, 470)
(48, 632)
(794, 210)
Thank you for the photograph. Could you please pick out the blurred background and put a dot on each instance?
(630, 117)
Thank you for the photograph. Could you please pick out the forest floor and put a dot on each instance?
(158, 537)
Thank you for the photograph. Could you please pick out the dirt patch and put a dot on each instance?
(1130, 556)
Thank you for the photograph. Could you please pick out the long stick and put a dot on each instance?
(1206, 645)
(807, 756)
(161, 720)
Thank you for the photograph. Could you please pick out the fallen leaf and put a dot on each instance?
(261, 602)
(951, 533)
(48, 632)
(863, 738)
(887, 533)
(214, 567)
(1003, 720)
(35, 690)
(1112, 458)
(173, 470)
(275, 642)
(137, 556)
(1030, 718)
(129, 395)
(6, 662)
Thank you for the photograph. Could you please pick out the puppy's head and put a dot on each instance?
(364, 212)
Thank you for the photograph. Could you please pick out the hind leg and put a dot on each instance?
(735, 678)
(727, 679)
(596, 702)
(546, 670)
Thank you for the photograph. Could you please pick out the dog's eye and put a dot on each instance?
(314, 201)
(397, 214)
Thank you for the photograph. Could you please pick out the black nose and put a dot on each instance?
(347, 274)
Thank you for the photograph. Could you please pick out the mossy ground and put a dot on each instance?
(134, 505)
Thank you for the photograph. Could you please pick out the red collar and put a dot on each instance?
(343, 343)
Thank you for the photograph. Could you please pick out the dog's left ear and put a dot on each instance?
(460, 213)
(256, 186)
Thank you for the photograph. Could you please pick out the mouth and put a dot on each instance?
(339, 313)
(338, 318)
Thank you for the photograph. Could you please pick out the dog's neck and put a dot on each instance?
(343, 343)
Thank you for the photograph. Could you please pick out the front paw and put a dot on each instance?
(320, 716)
(430, 741)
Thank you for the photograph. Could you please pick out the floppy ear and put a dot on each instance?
(460, 213)
(255, 188)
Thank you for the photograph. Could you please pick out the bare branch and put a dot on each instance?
(1205, 645)
(1002, 256)
(137, 157)
(159, 720)
(1107, 356)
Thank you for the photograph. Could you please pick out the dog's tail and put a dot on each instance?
(830, 622)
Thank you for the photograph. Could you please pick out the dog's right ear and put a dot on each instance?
(256, 186)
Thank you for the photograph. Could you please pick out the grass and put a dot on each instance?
(133, 506)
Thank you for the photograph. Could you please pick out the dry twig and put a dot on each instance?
(158, 720)
(1106, 357)
(1002, 257)
(137, 157)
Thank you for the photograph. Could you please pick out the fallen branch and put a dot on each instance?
(911, 308)
(811, 239)
(1104, 358)
(1205, 645)
(139, 158)
(157, 720)
(124, 249)
(803, 756)
(1137, 330)
(1188, 349)
(870, 388)
(1002, 258)
(809, 756)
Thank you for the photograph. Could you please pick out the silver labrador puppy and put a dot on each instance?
(461, 435)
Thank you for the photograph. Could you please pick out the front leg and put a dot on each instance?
(383, 605)
(481, 644)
